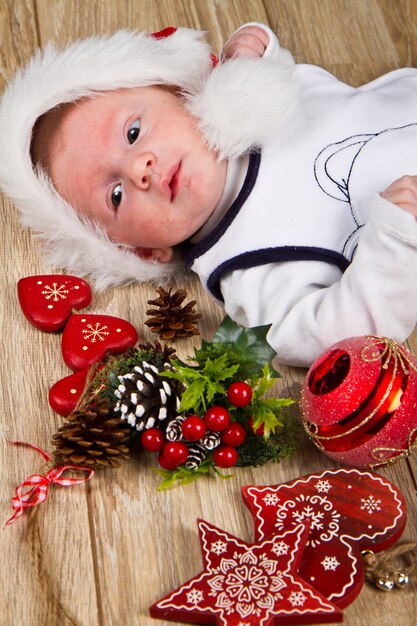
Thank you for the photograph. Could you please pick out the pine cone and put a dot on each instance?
(196, 455)
(174, 429)
(210, 440)
(93, 437)
(146, 399)
(171, 320)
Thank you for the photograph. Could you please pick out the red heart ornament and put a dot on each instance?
(348, 510)
(249, 584)
(88, 338)
(47, 301)
(65, 393)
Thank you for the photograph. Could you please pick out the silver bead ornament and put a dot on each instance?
(401, 579)
(385, 584)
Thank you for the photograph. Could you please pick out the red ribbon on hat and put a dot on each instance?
(34, 490)
(170, 30)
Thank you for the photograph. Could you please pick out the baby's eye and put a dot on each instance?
(134, 131)
(116, 196)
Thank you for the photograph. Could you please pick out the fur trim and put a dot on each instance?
(220, 99)
(244, 102)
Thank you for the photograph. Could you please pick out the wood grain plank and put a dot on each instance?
(18, 35)
(350, 40)
(104, 553)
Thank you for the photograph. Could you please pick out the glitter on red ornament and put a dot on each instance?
(360, 399)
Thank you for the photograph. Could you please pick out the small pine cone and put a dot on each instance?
(93, 438)
(210, 440)
(174, 430)
(147, 400)
(196, 455)
(171, 320)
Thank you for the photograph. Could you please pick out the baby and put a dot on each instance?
(263, 176)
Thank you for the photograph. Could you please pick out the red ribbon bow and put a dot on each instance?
(34, 490)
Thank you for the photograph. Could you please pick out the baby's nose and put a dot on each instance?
(142, 169)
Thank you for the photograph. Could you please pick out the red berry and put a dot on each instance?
(193, 428)
(153, 439)
(234, 434)
(259, 431)
(225, 456)
(239, 393)
(217, 418)
(164, 463)
(174, 453)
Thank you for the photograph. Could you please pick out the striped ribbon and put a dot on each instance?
(34, 490)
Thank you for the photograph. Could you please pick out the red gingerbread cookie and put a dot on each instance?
(248, 584)
(348, 511)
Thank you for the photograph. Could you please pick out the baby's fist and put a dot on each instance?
(403, 193)
(249, 41)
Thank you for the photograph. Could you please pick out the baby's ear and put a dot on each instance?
(162, 255)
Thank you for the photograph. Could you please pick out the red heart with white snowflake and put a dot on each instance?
(65, 393)
(348, 510)
(47, 301)
(88, 338)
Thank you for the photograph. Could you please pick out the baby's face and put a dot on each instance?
(133, 161)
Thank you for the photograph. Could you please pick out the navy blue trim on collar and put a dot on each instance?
(282, 254)
(193, 252)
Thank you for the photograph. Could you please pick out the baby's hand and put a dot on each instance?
(249, 41)
(403, 193)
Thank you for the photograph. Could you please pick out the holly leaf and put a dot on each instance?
(268, 413)
(265, 382)
(248, 341)
(202, 384)
(185, 476)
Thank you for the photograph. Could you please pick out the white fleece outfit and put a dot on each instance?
(309, 246)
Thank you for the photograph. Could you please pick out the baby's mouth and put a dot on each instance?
(174, 183)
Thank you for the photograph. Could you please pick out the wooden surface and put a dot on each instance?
(101, 554)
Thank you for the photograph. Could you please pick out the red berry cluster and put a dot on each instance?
(193, 428)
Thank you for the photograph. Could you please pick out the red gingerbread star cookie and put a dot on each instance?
(348, 511)
(248, 584)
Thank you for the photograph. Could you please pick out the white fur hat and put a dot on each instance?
(237, 105)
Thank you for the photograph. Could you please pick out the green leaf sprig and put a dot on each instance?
(235, 354)
(204, 383)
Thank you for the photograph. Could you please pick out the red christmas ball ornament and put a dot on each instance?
(193, 428)
(234, 435)
(174, 453)
(239, 393)
(359, 401)
(225, 456)
(217, 418)
(153, 439)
